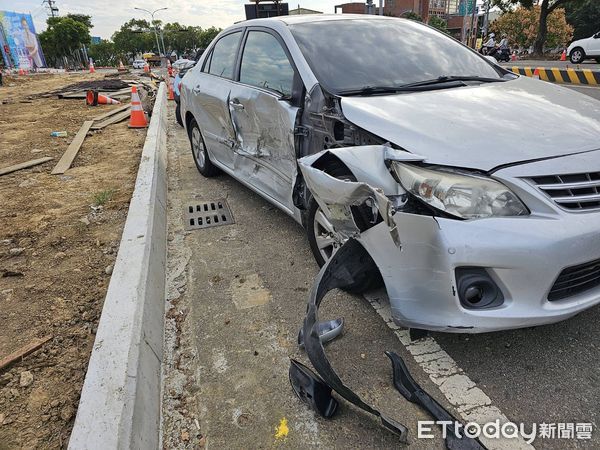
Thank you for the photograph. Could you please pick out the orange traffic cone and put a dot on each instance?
(171, 95)
(513, 57)
(169, 68)
(21, 71)
(92, 69)
(563, 57)
(121, 67)
(536, 73)
(146, 67)
(137, 118)
(93, 98)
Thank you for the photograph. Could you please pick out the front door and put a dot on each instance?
(264, 116)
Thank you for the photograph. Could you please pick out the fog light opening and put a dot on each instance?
(476, 289)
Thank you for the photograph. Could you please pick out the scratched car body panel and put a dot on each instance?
(476, 192)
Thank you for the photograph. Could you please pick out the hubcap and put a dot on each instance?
(577, 55)
(328, 241)
(198, 147)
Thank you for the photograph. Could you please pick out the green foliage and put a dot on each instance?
(584, 15)
(64, 35)
(439, 23)
(521, 27)
(135, 36)
(103, 197)
(105, 54)
(412, 16)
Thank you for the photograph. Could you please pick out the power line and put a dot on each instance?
(52, 8)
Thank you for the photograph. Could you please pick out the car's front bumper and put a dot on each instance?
(523, 256)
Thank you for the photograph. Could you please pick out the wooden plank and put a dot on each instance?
(23, 351)
(25, 165)
(69, 155)
(112, 111)
(112, 119)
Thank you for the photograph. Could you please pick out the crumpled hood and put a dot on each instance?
(483, 126)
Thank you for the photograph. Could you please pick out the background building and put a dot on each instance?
(300, 10)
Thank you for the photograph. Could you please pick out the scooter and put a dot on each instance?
(502, 54)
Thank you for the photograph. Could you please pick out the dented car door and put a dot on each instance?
(263, 117)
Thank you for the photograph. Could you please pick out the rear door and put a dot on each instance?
(595, 45)
(263, 107)
(211, 90)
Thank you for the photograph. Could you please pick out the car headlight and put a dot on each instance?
(464, 196)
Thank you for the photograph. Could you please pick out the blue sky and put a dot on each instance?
(108, 15)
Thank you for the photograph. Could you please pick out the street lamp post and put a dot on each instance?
(164, 52)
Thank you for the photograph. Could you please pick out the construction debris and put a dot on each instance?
(24, 165)
(23, 352)
(69, 156)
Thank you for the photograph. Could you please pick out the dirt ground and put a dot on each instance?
(59, 238)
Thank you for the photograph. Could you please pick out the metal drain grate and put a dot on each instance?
(208, 214)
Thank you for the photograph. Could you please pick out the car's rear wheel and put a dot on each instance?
(199, 152)
(577, 55)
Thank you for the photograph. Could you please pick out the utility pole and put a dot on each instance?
(155, 27)
(52, 8)
(369, 6)
(381, 7)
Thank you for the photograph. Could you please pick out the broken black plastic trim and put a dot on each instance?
(311, 390)
(408, 387)
(347, 266)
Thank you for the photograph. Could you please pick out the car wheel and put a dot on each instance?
(324, 241)
(201, 158)
(178, 114)
(577, 55)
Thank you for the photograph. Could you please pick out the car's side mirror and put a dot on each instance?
(597, 35)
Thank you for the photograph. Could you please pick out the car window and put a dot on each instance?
(356, 53)
(222, 62)
(265, 64)
(206, 65)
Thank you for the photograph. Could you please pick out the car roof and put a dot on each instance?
(309, 18)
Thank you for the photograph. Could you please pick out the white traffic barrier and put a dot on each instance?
(120, 401)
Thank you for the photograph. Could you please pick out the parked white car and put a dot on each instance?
(583, 49)
(475, 192)
(139, 64)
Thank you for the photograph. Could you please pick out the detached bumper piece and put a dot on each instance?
(411, 391)
(346, 267)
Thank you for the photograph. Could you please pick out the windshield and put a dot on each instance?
(352, 54)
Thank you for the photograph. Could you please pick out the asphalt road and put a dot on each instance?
(587, 90)
(246, 289)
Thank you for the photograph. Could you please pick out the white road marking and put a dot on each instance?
(461, 392)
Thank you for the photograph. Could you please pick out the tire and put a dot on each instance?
(577, 55)
(318, 228)
(199, 153)
(178, 114)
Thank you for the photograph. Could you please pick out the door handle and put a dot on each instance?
(196, 90)
(235, 104)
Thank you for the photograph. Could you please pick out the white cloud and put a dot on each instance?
(109, 15)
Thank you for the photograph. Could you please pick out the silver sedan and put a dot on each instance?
(475, 192)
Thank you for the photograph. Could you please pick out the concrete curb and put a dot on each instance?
(120, 401)
(558, 75)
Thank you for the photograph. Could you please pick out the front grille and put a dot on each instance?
(576, 192)
(576, 279)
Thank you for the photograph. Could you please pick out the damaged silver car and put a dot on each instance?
(474, 191)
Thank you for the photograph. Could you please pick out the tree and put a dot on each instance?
(521, 26)
(584, 15)
(105, 53)
(438, 23)
(135, 36)
(412, 16)
(546, 7)
(64, 36)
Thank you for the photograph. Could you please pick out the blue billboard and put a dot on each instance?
(19, 43)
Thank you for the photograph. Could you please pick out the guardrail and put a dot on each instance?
(558, 75)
